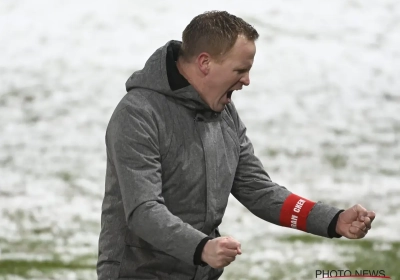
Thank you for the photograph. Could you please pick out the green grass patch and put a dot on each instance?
(370, 256)
(337, 161)
(65, 176)
(305, 238)
(24, 267)
(367, 254)
(361, 254)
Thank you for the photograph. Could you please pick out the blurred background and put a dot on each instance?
(322, 110)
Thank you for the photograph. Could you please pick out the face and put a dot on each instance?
(230, 73)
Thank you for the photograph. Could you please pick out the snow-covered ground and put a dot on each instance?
(322, 110)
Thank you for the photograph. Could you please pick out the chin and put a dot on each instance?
(218, 108)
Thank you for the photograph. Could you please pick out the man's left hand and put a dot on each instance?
(355, 222)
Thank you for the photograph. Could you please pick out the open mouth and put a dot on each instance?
(228, 96)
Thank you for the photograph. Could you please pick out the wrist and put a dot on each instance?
(338, 230)
(198, 255)
(204, 252)
(337, 227)
(334, 226)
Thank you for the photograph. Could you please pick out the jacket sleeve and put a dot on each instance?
(254, 189)
(132, 144)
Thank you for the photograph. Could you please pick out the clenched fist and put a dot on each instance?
(355, 222)
(220, 252)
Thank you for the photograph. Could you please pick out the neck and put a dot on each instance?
(187, 70)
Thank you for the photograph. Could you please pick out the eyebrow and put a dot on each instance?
(242, 68)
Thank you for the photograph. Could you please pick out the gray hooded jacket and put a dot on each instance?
(171, 165)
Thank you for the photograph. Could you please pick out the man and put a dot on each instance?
(176, 149)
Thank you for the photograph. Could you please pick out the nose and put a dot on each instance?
(245, 80)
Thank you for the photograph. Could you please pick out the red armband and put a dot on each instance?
(295, 211)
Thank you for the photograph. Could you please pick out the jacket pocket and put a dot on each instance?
(142, 263)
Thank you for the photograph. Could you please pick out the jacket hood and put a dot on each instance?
(154, 77)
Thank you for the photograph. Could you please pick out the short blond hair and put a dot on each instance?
(214, 32)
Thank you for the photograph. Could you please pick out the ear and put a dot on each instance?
(203, 62)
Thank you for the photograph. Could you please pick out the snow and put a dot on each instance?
(322, 109)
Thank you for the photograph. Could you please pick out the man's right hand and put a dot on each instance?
(220, 252)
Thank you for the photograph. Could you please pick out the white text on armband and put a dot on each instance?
(297, 209)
